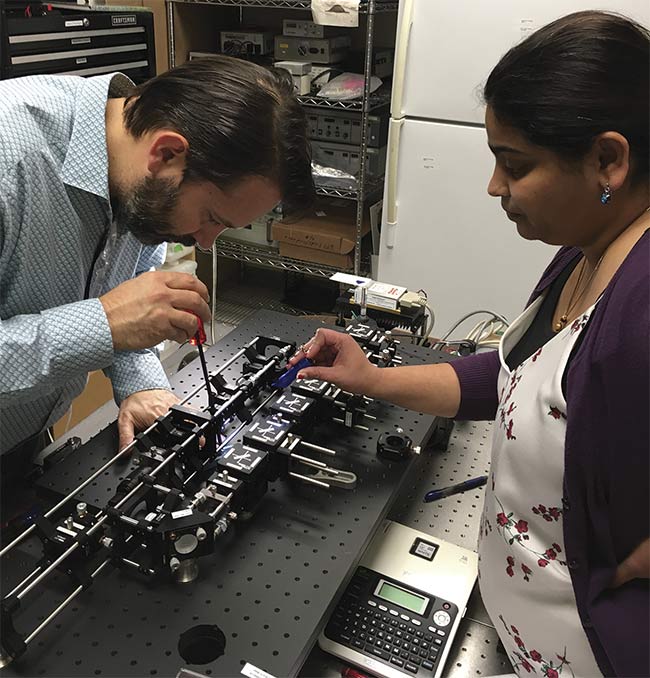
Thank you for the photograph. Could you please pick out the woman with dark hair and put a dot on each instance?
(564, 544)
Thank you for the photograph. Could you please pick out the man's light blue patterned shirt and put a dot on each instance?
(54, 215)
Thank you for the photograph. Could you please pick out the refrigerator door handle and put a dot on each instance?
(404, 25)
(394, 132)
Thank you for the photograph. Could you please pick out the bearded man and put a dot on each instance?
(95, 174)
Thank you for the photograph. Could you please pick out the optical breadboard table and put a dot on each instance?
(274, 578)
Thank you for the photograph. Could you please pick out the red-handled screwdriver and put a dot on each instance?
(198, 340)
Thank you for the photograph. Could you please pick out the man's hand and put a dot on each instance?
(338, 359)
(635, 566)
(140, 410)
(153, 307)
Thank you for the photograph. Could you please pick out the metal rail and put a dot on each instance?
(252, 254)
(124, 451)
(101, 520)
(367, 74)
(25, 586)
(63, 605)
(375, 101)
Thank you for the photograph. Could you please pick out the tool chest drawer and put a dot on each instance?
(77, 42)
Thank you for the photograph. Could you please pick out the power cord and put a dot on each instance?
(485, 334)
(469, 315)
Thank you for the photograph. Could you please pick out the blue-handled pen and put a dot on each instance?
(288, 377)
(470, 484)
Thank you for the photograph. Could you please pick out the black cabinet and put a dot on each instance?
(39, 38)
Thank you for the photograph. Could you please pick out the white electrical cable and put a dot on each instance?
(485, 333)
(213, 321)
(481, 333)
(469, 315)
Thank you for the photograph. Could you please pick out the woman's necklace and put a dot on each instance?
(575, 297)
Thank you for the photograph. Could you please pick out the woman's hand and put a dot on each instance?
(339, 360)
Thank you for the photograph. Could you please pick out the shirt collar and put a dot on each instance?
(86, 162)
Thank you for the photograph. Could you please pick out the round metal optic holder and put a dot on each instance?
(202, 644)
(186, 544)
(184, 571)
(394, 446)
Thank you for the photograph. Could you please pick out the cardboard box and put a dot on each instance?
(98, 391)
(330, 229)
(327, 236)
(316, 256)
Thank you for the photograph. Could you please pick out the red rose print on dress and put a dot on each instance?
(556, 413)
(520, 657)
(515, 531)
(507, 407)
(579, 323)
(487, 527)
(550, 514)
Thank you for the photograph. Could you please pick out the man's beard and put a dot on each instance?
(145, 210)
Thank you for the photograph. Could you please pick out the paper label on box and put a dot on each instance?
(381, 302)
(384, 295)
(386, 290)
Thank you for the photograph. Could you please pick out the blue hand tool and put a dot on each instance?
(288, 377)
(470, 484)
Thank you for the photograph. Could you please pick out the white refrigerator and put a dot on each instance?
(441, 232)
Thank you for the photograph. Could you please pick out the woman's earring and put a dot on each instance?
(606, 195)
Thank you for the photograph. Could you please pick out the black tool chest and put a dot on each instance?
(45, 38)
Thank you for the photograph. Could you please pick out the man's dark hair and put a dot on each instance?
(579, 76)
(239, 119)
